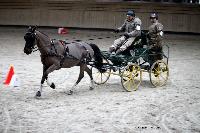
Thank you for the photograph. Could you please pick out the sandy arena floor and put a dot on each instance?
(174, 108)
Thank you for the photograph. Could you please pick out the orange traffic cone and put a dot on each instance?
(12, 79)
(9, 75)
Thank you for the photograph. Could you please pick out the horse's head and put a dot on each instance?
(30, 38)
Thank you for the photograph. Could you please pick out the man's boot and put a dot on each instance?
(111, 49)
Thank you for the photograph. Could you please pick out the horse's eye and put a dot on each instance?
(33, 36)
(29, 37)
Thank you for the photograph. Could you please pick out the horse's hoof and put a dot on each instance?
(38, 94)
(70, 92)
(53, 86)
(91, 88)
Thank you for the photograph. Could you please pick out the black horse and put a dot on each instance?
(56, 55)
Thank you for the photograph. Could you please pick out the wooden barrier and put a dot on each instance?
(108, 15)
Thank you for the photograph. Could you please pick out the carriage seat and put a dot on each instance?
(138, 43)
(140, 40)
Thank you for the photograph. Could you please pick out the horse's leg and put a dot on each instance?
(89, 72)
(51, 84)
(38, 94)
(81, 75)
(45, 75)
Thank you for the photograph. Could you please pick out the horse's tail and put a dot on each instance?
(98, 57)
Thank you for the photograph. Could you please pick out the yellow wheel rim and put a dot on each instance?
(131, 77)
(159, 73)
(98, 77)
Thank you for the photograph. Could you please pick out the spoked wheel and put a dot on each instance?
(101, 76)
(131, 77)
(159, 73)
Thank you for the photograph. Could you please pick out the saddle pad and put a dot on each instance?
(79, 50)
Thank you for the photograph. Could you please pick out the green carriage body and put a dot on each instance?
(123, 60)
(129, 66)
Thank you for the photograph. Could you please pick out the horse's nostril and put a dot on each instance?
(27, 51)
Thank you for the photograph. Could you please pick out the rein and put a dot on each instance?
(52, 53)
(34, 49)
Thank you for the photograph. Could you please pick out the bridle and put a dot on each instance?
(35, 47)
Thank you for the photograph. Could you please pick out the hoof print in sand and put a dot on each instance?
(77, 40)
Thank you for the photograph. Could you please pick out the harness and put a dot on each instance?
(85, 57)
(52, 49)
(54, 52)
(66, 52)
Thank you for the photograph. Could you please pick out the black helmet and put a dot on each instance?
(131, 13)
(154, 15)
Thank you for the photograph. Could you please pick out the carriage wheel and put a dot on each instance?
(101, 77)
(131, 77)
(159, 73)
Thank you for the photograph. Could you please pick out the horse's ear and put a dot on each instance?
(29, 27)
(34, 28)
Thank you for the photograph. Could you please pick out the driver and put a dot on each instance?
(131, 28)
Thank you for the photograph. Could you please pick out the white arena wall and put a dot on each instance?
(91, 14)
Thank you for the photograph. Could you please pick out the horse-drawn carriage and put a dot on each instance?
(56, 55)
(130, 66)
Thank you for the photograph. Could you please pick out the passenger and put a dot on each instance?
(131, 28)
(155, 36)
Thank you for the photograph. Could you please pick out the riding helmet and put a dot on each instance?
(131, 13)
(154, 15)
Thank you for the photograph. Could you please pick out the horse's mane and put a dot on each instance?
(43, 34)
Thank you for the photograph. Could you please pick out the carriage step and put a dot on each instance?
(146, 67)
(114, 69)
(91, 63)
